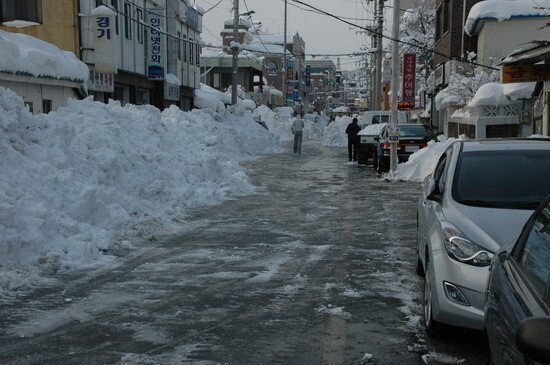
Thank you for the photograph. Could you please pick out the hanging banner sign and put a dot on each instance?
(104, 40)
(409, 77)
(101, 82)
(155, 45)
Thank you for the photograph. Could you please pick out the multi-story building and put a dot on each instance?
(451, 44)
(137, 24)
(54, 23)
(323, 81)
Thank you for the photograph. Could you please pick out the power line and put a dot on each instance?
(425, 48)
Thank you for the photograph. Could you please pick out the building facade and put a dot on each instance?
(169, 28)
(54, 21)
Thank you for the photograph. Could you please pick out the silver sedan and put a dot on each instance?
(478, 198)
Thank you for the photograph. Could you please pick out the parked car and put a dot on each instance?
(412, 137)
(368, 138)
(519, 287)
(478, 198)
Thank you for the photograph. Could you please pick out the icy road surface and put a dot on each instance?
(317, 268)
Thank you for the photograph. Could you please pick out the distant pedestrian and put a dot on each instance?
(298, 130)
(353, 140)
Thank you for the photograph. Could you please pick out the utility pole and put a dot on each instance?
(377, 85)
(235, 50)
(284, 69)
(394, 132)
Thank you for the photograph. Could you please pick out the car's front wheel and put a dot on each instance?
(433, 328)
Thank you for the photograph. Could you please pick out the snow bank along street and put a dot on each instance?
(91, 179)
(316, 266)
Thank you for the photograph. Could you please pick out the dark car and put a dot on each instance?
(368, 138)
(412, 137)
(519, 288)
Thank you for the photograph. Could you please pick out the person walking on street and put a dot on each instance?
(353, 140)
(297, 130)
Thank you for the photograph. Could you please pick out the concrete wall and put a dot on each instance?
(497, 40)
(59, 25)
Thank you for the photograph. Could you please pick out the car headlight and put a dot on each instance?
(461, 248)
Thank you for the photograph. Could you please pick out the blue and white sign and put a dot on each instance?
(155, 45)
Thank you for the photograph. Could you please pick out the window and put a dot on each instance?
(178, 34)
(197, 55)
(439, 173)
(140, 28)
(184, 48)
(29, 10)
(127, 21)
(535, 258)
(191, 47)
(510, 179)
(114, 4)
(446, 16)
(29, 105)
(46, 106)
(272, 68)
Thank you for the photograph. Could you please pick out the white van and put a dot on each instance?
(381, 116)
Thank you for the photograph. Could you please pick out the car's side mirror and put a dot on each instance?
(532, 338)
(432, 192)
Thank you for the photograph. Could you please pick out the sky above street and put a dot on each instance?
(321, 33)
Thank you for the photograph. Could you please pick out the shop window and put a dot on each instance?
(127, 21)
(29, 10)
(46, 106)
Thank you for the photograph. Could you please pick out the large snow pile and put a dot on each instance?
(80, 182)
(285, 111)
(335, 133)
(209, 98)
(503, 10)
(422, 163)
(280, 123)
(23, 54)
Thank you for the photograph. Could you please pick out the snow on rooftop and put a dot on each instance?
(489, 94)
(103, 10)
(520, 90)
(26, 55)
(495, 93)
(503, 10)
(20, 24)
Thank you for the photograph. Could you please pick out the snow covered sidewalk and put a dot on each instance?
(91, 177)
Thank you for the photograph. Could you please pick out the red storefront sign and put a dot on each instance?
(409, 77)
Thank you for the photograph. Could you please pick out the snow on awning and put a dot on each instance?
(25, 55)
(504, 10)
(496, 94)
(172, 79)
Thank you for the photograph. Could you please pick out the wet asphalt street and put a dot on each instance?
(316, 268)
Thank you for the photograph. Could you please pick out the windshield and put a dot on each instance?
(502, 179)
(413, 131)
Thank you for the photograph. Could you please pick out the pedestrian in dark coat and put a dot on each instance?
(353, 140)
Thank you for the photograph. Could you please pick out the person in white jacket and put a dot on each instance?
(298, 130)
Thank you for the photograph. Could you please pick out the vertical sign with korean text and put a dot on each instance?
(104, 40)
(155, 45)
(409, 77)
